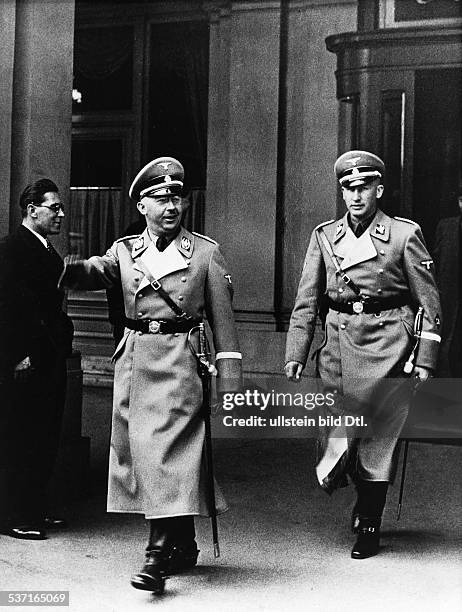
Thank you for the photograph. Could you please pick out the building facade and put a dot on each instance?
(257, 98)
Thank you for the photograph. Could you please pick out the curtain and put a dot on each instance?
(95, 215)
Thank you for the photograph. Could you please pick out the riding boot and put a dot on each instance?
(367, 517)
(155, 569)
(184, 551)
(368, 541)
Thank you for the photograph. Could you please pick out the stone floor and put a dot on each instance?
(285, 544)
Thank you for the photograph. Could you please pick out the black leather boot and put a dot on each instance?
(367, 543)
(153, 573)
(371, 497)
(184, 552)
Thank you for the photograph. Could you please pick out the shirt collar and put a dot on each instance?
(364, 223)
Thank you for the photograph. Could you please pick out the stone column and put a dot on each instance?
(7, 29)
(41, 102)
(242, 147)
(312, 134)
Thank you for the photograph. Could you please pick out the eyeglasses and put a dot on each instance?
(54, 207)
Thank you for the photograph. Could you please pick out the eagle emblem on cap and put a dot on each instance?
(164, 165)
(353, 161)
(185, 243)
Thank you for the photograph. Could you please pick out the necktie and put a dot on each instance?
(359, 231)
(161, 243)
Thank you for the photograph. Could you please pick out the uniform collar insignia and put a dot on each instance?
(141, 244)
(340, 229)
(380, 226)
(185, 243)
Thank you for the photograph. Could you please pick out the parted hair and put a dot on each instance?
(33, 193)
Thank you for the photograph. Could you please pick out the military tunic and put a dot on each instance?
(362, 352)
(156, 457)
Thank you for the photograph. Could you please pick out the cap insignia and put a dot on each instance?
(353, 160)
(164, 165)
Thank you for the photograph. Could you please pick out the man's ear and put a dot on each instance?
(141, 207)
(380, 189)
(31, 209)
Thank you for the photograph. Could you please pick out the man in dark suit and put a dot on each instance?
(448, 262)
(35, 339)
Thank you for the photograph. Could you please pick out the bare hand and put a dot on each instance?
(23, 369)
(293, 370)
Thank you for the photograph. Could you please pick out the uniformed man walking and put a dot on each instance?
(170, 278)
(374, 277)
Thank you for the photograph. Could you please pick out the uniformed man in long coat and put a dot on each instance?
(374, 277)
(156, 464)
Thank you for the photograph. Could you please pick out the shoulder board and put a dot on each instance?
(128, 237)
(323, 224)
(204, 237)
(406, 220)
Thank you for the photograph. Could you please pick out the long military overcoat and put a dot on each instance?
(156, 457)
(363, 355)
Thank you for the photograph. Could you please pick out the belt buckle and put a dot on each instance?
(154, 327)
(358, 307)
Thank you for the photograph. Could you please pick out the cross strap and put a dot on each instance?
(155, 284)
(346, 279)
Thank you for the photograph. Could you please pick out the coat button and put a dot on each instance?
(382, 252)
(380, 323)
(340, 290)
(139, 333)
(176, 335)
(139, 314)
(381, 271)
(379, 290)
(140, 295)
(136, 279)
(180, 298)
(183, 279)
(342, 326)
(188, 263)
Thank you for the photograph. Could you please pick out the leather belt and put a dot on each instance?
(370, 306)
(148, 326)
